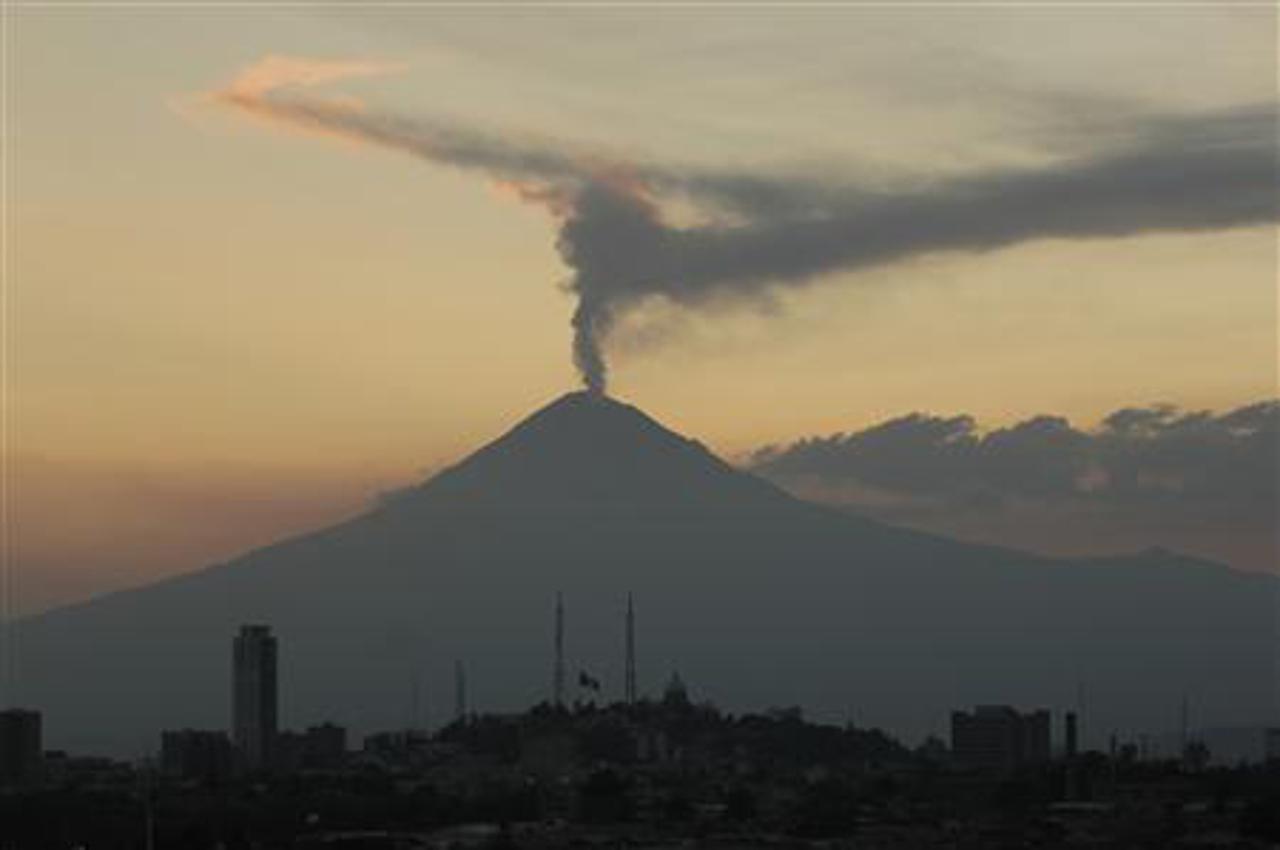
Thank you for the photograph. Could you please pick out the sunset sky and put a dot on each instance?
(224, 328)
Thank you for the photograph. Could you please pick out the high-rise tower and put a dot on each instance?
(631, 652)
(21, 750)
(254, 698)
(557, 683)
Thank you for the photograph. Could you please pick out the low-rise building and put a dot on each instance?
(999, 738)
(196, 754)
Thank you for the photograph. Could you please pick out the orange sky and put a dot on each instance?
(221, 332)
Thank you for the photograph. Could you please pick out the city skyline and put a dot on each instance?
(540, 423)
(990, 737)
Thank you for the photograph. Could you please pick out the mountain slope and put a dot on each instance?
(757, 597)
(586, 452)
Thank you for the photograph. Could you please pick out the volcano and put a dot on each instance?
(755, 597)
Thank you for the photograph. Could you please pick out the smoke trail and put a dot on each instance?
(1171, 173)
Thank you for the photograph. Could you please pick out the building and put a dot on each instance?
(205, 756)
(254, 699)
(326, 746)
(21, 748)
(676, 693)
(322, 747)
(409, 749)
(999, 738)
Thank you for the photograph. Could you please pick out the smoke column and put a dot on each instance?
(1171, 173)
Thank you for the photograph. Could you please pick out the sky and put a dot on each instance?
(226, 324)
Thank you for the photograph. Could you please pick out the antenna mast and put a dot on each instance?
(631, 653)
(1185, 724)
(459, 691)
(557, 683)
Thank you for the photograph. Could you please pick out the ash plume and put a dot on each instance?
(762, 233)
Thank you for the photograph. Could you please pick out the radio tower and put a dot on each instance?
(631, 652)
(459, 691)
(557, 681)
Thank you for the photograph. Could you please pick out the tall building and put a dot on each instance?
(997, 737)
(1071, 753)
(254, 699)
(21, 749)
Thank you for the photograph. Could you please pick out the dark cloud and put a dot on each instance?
(759, 233)
(1146, 475)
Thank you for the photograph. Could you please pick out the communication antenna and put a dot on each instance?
(557, 682)
(459, 691)
(1185, 725)
(631, 653)
(415, 707)
(1080, 704)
